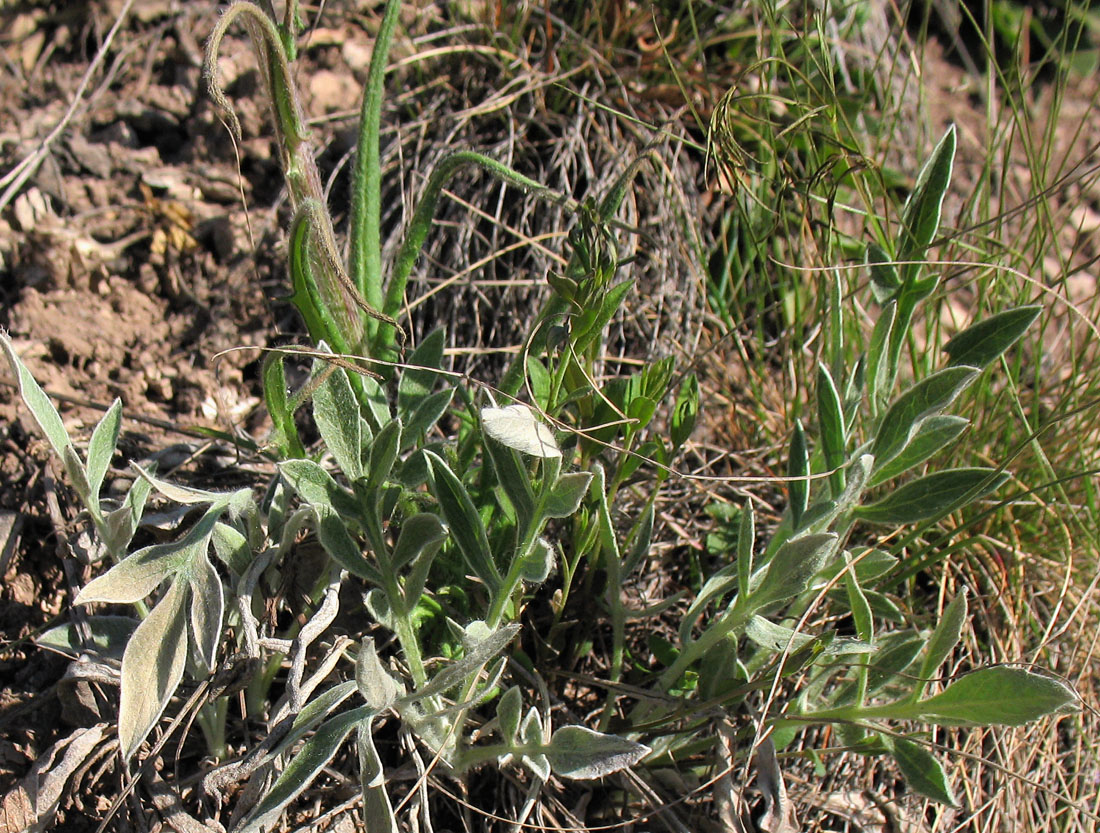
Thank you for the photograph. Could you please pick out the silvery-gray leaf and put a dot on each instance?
(580, 753)
(108, 634)
(508, 713)
(517, 427)
(207, 609)
(538, 563)
(477, 654)
(375, 684)
(152, 667)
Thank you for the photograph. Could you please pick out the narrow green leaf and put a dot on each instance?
(336, 412)
(426, 415)
(122, 523)
(932, 496)
(383, 453)
(878, 360)
(894, 653)
(922, 771)
(377, 809)
(415, 384)
(513, 479)
(478, 652)
(932, 434)
(538, 378)
(313, 712)
(284, 430)
(929, 396)
(232, 548)
(746, 542)
(152, 668)
(338, 543)
(464, 522)
(943, 640)
(834, 439)
(101, 448)
(582, 754)
(885, 280)
(303, 768)
(980, 343)
(685, 411)
(798, 470)
(40, 406)
(921, 217)
(776, 638)
(998, 696)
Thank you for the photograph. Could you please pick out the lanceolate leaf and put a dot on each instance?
(830, 412)
(40, 406)
(980, 343)
(336, 412)
(464, 522)
(152, 667)
(932, 495)
(109, 635)
(798, 469)
(998, 696)
(922, 212)
(101, 448)
(566, 495)
(303, 768)
(423, 531)
(923, 772)
(791, 568)
(580, 753)
(932, 434)
(929, 396)
(416, 385)
(517, 427)
(207, 609)
(943, 640)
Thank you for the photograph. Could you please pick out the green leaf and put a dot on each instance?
(338, 543)
(539, 379)
(336, 412)
(40, 406)
(981, 343)
(566, 495)
(776, 638)
(923, 772)
(746, 541)
(885, 280)
(929, 396)
(422, 532)
(798, 470)
(932, 496)
(790, 570)
(830, 412)
(426, 415)
(303, 768)
(383, 453)
(998, 696)
(685, 411)
(943, 640)
(878, 360)
(317, 487)
(416, 385)
(284, 429)
(108, 635)
(580, 753)
(537, 563)
(232, 548)
(152, 668)
(933, 434)
(378, 812)
(122, 523)
(921, 217)
(101, 448)
(513, 479)
(465, 524)
(478, 652)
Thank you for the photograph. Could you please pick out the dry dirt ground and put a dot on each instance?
(129, 262)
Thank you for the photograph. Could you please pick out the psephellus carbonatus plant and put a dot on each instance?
(447, 536)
